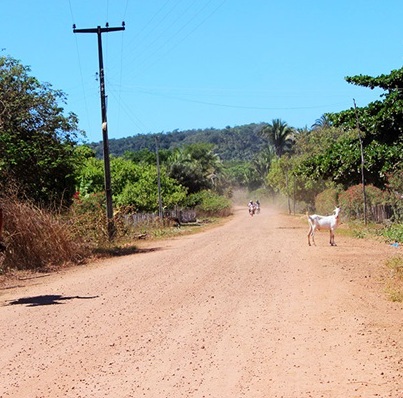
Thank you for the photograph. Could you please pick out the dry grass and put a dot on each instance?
(36, 238)
(41, 240)
(395, 283)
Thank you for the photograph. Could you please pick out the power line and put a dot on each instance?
(164, 39)
(80, 69)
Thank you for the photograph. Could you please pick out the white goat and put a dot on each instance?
(323, 222)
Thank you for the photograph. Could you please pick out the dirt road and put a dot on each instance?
(242, 310)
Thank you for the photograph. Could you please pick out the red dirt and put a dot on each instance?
(246, 309)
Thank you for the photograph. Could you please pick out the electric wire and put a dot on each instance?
(81, 71)
(171, 24)
(181, 28)
(224, 105)
(168, 36)
(136, 121)
(125, 11)
(151, 20)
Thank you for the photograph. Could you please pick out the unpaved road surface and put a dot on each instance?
(246, 309)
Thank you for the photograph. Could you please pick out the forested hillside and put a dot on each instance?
(231, 143)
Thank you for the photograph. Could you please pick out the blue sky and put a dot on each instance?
(188, 64)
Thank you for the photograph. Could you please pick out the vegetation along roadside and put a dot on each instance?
(52, 182)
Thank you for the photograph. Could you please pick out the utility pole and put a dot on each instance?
(107, 172)
(157, 152)
(362, 164)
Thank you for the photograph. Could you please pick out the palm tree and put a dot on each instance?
(322, 123)
(262, 162)
(196, 167)
(280, 136)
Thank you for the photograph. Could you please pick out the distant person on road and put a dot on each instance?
(252, 208)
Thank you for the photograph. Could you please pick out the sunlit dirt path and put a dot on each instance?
(246, 309)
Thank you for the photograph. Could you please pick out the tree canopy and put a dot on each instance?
(279, 135)
(36, 139)
(230, 143)
(381, 120)
(333, 153)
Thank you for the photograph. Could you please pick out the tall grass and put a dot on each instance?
(39, 239)
(36, 238)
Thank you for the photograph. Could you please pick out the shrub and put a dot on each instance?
(88, 213)
(326, 201)
(393, 233)
(352, 202)
(211, 204)
(37, 238)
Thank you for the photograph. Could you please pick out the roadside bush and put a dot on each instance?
(393, 233)
(88, 213)
(210, 204)
(326, 201)
(352, 202)
(37, 238)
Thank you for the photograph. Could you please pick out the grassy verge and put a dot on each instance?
(394, 287)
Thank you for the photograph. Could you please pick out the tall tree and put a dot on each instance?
(280, 136)
(381, 128)
(36, 140)
(196, 167)
(262, 162)
(379, 120)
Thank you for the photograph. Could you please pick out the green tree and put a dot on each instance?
(333, 154)
(90, 177)
(147, 156)
(133, 185)
(143, 193)
(262, 162)
(243, 174)
(196, 167)
(37, 140)
(280, 136)
(379, 120)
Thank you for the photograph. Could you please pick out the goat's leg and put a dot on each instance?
(313, 235)
(309, 235)
(332, 243)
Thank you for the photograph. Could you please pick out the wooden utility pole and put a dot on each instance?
(362, 165)
(107, 172)
(157, 152)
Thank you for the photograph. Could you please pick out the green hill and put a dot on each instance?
(231, 143)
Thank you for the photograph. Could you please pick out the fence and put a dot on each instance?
(380, 213)
(376, 213)
(182, 216)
